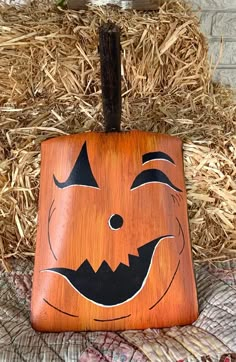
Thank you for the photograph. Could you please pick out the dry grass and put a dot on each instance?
(50, 85)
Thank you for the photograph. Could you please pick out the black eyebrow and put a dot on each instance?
(153, 175)
(151, 156)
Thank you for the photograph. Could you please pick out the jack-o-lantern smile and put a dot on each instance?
(107, 287)
(110, 288)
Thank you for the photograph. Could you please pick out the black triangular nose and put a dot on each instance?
(115, 221)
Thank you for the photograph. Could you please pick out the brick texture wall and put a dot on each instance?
(218, 20)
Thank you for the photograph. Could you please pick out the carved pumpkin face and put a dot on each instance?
(113, 249)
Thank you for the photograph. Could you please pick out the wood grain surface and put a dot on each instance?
(131, 271)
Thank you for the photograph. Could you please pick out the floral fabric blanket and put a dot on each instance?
(211, 338)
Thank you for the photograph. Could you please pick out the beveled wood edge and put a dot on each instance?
(110, 134)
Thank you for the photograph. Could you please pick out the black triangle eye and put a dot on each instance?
(81, 173)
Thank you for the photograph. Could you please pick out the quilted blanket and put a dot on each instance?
(211, 338)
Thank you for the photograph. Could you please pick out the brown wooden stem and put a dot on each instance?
(109, 47)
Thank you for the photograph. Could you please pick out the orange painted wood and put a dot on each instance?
(75, 227)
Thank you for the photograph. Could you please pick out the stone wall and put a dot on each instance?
(218, 23)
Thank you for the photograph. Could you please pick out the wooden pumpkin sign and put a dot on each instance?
(113, 248)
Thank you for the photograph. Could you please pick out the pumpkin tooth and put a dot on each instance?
(135, 253)
(125, 261)
(132, 259)
(123, 265)
(114, 265)
(86, 264)
(104, 268)
(97, 266)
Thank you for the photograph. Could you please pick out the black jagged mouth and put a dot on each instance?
(110, 288)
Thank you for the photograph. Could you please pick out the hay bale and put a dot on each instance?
(50, 85)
